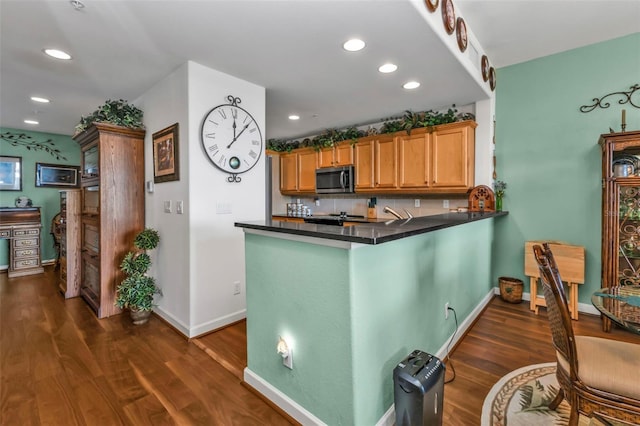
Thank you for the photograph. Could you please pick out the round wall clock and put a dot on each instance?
(484, 67)
(448, 16)
(432, 5)
(492, 78)
(231, 138)
(461, 34)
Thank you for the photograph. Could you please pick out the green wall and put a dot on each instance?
(352, 315)
(48, 199)
(548, 153)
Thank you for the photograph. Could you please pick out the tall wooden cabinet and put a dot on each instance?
(70, 242)
(620, 208)
(112, 209)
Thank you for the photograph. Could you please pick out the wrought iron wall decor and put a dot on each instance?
(20, 139)
(625, 98)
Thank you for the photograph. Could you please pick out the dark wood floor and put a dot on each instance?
(60, 365)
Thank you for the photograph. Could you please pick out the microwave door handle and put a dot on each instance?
(343, 179)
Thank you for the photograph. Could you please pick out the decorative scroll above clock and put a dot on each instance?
(624, 98)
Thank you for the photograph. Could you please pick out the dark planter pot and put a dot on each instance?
(139, 317)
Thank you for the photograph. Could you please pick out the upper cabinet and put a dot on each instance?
(436, 160)
(339, 155)
(298, 171)
(453, 156)
(376, 163)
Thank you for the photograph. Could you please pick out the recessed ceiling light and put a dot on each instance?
(294, 117)
(388, 67)
(58, 54)
(77, 4)
(353, 45)
(411, 85)
(31, 122)
(41, 100)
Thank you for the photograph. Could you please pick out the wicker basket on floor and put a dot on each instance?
(511, 289)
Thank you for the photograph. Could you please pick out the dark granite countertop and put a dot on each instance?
(372, 233)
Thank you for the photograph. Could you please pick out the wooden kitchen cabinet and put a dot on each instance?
(414, 159)
(337, 156)
(298, 171)
(453, 156)
(376, 163)
(440, 161)
(70, 242)
(112, 209)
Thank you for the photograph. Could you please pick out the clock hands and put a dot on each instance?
(235, 138)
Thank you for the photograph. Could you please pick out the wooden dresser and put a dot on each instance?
(22, 226)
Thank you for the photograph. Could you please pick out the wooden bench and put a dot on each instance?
(570, 260)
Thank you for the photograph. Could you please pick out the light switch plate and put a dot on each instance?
(179, 207)
(167, 206)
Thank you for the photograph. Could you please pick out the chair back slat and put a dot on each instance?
(557, 307)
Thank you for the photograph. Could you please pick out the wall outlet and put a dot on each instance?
(446, 310)
(416, 203)
(445, 204)
(236, 287)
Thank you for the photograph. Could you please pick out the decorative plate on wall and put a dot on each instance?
(432, 5)
(492, 78)
(461, 34)
(484, 66)
(448, 16)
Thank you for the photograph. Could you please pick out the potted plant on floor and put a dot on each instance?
(137, 290)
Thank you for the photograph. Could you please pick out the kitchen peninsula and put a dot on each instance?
(351, 302)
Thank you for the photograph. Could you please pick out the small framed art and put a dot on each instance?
(10, 173)
(165, 155)
(57, 176)
(448, 16)
(461, 34)
(492, 78)
(484, 67)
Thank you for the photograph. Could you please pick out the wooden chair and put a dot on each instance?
(598, 377)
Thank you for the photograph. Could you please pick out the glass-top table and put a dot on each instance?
(621, 305)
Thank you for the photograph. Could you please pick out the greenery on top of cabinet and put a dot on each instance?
(410, 120)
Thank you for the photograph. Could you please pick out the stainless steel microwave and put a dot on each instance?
(335, 180)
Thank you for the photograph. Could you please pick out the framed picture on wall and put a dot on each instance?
(10, 173)
(57, 175)
(165, 155)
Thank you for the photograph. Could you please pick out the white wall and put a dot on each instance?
(216, 246)
(163, 105)
(201, 253)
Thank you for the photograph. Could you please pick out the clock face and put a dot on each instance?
(231, 138)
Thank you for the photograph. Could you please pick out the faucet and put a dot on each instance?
(388, 209)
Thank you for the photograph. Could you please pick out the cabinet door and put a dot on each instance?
(452, 158)
(288, 172)
(307, 165)
(325, 157)
(386, 163)
(364, 152)
(343, 154)
(413, 158)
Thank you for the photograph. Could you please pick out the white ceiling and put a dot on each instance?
(292, 48)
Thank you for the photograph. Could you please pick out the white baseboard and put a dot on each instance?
(586, 308)
(201, 329)
(274, 395)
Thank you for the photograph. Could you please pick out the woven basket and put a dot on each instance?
(511, 289)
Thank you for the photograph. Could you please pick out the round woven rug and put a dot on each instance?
(522, 397)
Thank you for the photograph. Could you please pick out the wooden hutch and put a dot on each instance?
(112, 209)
